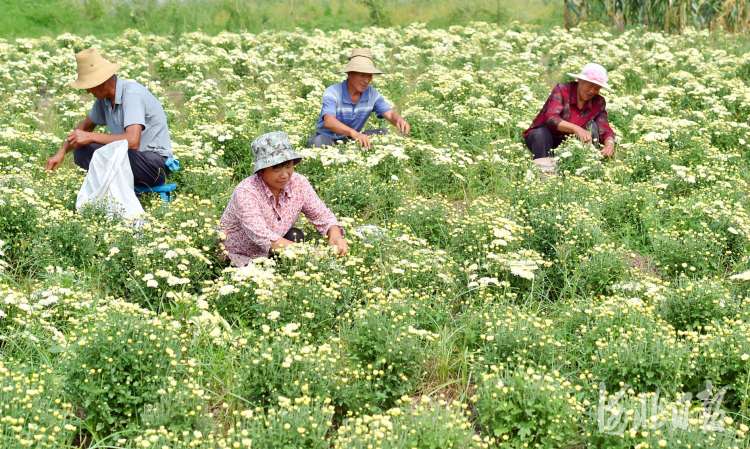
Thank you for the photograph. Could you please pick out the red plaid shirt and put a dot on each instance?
(563, 105)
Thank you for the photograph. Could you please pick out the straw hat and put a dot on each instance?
(93, 70)
(593, 73)
(361, 61)
(273, 148)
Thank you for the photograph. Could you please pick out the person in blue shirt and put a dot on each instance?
(129, 111)
(348, 105)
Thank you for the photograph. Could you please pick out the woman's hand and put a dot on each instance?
(584, 135)
(609, 148)
(336, 240)
(340, 244)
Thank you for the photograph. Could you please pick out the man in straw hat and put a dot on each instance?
(348, 105)
(130, 112)
(264, 207)
(573, 108)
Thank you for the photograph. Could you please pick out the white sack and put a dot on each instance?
(110, 182)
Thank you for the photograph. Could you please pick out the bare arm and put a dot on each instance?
(53, 162)
(78, 138)
(83, 135)
(569, 128)
(331, 122)
(397, 121)
(86, 125)
(336, 239)
(609, 147)
(281, 243)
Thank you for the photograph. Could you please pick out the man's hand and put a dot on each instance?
(55, 161)
(584, 135)
(340, 244)
(609, 148)
(403, 127)
(78, 138)
(363, 139)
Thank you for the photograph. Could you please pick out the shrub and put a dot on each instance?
(126, 368)
(18, 222)
(301, 422)
(352, 190)
(690, 305)
(507, 336)
(423, 423)
(427, 218)
(280, 363)
(385, 356)
(645, 359)
(34, 413)
(529, 408)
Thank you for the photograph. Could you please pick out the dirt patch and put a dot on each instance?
(176, 97)
(460, 207)
(48, 115)
(44, 105)
(449, 393)
(644, 264)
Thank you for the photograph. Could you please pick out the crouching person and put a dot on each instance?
(265, 206)
(129, 111)
(348, 105)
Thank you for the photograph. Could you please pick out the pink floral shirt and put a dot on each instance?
(253, 219)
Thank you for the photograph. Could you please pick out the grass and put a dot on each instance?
(105, 18)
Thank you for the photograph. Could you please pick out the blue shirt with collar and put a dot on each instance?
(135, 105)
(336, 101)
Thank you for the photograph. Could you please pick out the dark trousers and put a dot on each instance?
(320, 140)
(295, 235)
(541, 143)
(148, 167)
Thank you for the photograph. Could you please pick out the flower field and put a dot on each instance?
(481, 304)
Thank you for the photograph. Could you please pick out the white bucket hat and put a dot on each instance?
(593, 73)
(93, 70)
(361, 61)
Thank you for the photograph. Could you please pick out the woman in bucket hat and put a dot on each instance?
(130, 112)
(264, 207)
(348, 105)
(573, 108)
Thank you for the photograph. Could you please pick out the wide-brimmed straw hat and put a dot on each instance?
(272, 149)
(593, 73)
(93, 70)
(361, 61)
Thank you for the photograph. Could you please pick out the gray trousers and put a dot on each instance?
(320, 140)
(148, 167)
(541, 143)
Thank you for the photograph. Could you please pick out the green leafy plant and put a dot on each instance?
(121, 368)
(526, 408)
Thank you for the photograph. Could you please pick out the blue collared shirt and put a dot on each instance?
(135, 105)
(336, 101)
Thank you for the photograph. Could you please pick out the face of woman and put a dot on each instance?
(587, 90)
(360, 81)
(278, 177)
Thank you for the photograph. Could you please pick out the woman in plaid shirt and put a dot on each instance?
(573, 108)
